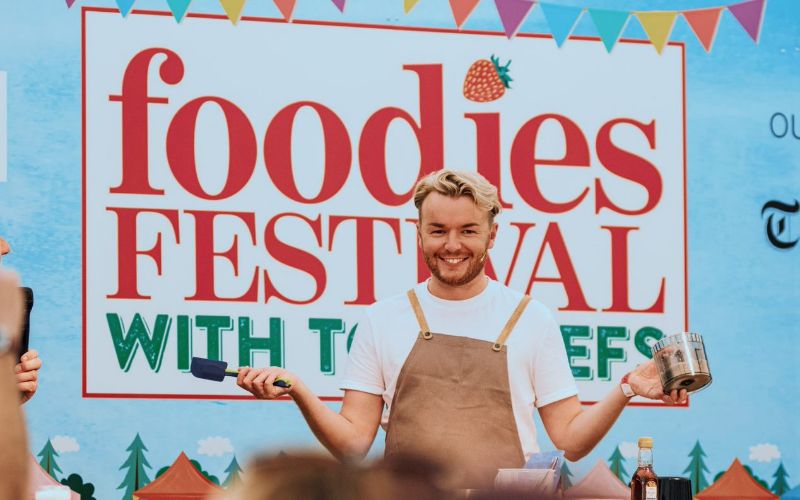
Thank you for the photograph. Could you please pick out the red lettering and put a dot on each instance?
(294, 258)
(524, 161)
(241, 148)
(567, 276)
(619, 274)
(278, 152)
(134, 99)
(205, 255)
(365, 252)
(127, 253)
(429, 133)
(628, 166)
(487, 133)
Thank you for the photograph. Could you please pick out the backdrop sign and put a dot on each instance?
(248, 192)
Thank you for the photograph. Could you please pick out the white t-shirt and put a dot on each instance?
(538, 370)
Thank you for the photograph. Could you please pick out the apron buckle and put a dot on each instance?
(427, 335)
(497, 348)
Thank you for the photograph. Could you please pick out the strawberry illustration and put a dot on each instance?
(486, 80)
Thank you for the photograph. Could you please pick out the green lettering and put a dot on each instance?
(184, 343)
(607, 354)
(569, 332)
(642, 336)
(214, 326)
(125, 344)
(351, 336)
(327, 329)
(248, 344)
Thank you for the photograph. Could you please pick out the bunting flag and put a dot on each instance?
(286, 7)
(409, 4)
(178, 8)
(513, 13)
(750, 15)
(69, 3)
(704, 23)
(339, 5)
(561, 19)
(610, 24)
(658, 26)
(125, 6)
(233, 9)
(462, 9)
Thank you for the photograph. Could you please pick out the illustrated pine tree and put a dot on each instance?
(780, 486)
(565, 475)
(136, 476)
(48, 462)
(234, 473)
(615, 464)
(696, 468)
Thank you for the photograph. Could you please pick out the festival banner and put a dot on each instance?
(249, 208)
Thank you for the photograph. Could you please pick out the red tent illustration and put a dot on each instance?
(39, 479)
(736, 483)
(599, 483)
(181, 481)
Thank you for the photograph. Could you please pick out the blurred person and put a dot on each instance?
(27, 367)
(13, 438)
(311, 476)
(460, 362)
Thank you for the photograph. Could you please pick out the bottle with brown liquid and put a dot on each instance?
(644, 483)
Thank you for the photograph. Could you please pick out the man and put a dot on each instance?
(460, 361)
(27, 368)
(13, 441)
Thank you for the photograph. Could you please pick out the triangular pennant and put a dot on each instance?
(750, 15)
(658, 26)
(69, 3)
(513, 13)
(610, 24)
(125, 6)
(462, 9)
(339, 4)
(561, 19)
(233, 9)
(178, 8)
(409, 4)
(704, 23)
(286, 7)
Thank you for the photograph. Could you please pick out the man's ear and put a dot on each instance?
(492, 234)
(419, 235)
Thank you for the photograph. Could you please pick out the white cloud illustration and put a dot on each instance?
(214, 446)
(764, 452)
(65, 444)
(628, 449)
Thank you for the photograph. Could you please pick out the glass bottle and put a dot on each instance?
(644, 482)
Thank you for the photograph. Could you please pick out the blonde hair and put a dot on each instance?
(454, 183)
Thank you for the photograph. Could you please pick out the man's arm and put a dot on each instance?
(347, 433)
(577, 430)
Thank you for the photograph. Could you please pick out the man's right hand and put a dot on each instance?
(258, 382)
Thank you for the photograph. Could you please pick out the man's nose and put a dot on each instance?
(453, 242)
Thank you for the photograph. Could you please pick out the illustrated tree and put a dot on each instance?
(48, 462)
(696, 468)
(136, 462)
(76, 484)
(780, 486)
(565, 475)
(615, 464)
(234, 473)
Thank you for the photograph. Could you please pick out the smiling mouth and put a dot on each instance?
(453, 260)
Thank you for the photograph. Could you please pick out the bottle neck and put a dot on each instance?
(645, 457)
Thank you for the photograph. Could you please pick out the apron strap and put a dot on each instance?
(423, 324)
(512, 321)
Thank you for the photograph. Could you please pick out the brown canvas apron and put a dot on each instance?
(453, 404)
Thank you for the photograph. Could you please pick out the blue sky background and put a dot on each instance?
(743, 293)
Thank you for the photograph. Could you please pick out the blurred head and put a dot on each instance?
(456, 225)
(318, 477)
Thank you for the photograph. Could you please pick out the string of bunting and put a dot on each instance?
(561, 19)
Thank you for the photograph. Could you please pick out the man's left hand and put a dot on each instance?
(27, 374)
(645, 381)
